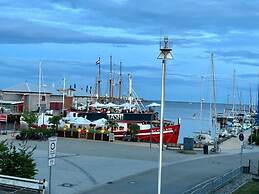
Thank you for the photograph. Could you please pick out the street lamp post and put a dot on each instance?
(165, 54)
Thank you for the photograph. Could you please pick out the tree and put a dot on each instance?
(134, 129)
(111, 124)
(55, 121)
(30, 118)
(17, 161)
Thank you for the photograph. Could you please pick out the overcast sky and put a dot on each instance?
(68, 36)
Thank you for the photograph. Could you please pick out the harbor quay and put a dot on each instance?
(87, 166)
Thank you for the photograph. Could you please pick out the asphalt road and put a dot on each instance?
(86, 167)
(176, 178)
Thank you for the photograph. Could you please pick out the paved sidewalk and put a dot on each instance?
(84, 165)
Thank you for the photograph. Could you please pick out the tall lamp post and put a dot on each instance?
(165, 54)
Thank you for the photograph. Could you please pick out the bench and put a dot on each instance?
(171, 146)
(25, 185)
(198, 145)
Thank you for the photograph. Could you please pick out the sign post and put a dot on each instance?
(52, 156)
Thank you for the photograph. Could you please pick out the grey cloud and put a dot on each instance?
(249, 75)
(136, 17)
(173, 15)
(248, 63)
(238, 54)
(19, 31)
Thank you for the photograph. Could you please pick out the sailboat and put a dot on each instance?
(202, 137)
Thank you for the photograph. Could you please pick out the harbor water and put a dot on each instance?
(189, 113)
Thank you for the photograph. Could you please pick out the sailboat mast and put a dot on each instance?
(201, 106)
(63, 100)
(234, 91)
(99, 78)
(120, 82)
(251, 100)
(130, 96)
(213, 85)
(110, 81)
(39, 100)
(214, 113)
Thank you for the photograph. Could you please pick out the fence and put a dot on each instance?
(214, 184)
(254, 167)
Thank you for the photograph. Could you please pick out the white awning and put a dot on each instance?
(97, 105)
(100, 122)
(154, 104)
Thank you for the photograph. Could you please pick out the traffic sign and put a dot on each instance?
(51, 161)
(52, 147)
(241, 137)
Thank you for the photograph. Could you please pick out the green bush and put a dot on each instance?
(36, 134)
(92, 131)
(55, 121)
(134, 130)
(253, 138)
(257, 140)
(30, 118)
(17, 161)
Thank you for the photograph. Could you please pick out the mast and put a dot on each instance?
(120, 82)
(214, 111)
(63, 100)
(39, 99)
(130, 96)
(202, 100)
(213, 85)
(99, 78)
(110, 81)
(234, 92)
(250, 100)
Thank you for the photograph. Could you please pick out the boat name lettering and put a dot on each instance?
(115, 116)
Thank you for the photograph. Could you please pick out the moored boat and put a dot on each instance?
(149, 129)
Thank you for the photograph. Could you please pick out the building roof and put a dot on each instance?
(10, 102)
(30, 88)
(27, 87)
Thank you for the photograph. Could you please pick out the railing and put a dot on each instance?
(214, 184)
(22, 184)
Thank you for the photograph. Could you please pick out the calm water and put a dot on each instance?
(189, 114)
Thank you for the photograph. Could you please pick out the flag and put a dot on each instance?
(98, 61)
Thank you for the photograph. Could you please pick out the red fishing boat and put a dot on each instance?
(149, 131)
(149, 126)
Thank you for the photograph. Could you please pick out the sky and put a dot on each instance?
(68, 36)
